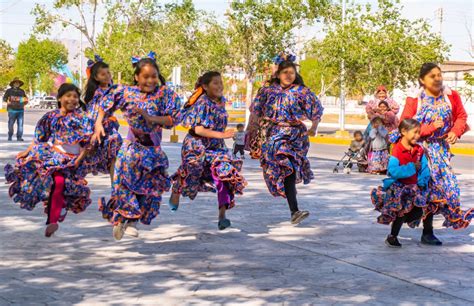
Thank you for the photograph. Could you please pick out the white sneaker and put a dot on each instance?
(131, 228)
(118, 231)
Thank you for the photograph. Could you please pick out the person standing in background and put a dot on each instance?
(239, 142)
(16, 99)
(373, 107)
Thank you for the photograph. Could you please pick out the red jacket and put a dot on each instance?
(405, 157)
(459, 114)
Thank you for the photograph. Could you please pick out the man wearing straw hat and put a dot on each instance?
(16, 100)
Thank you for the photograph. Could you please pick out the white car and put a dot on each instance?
(48, 102)
(35, 102)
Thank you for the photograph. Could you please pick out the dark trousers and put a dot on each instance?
(18, 117)
(415, 214)
(239, 148)
(290, 192)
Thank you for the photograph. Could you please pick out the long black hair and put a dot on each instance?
(425, 69)
(206, 78)
(92, 83)
(282, 66)
(384, 103)
(142, 63)
(408, 124)
(67, 87)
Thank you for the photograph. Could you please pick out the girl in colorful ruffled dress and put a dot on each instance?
(403, 197)
(443, 121)
(140, 175)
(283, 137)
(51, 169)
(377, 157)
(207, 164)
(102, 156)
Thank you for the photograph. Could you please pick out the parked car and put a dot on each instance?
(35, 102)
(48, 102)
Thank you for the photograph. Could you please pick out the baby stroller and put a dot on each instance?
(350, 159)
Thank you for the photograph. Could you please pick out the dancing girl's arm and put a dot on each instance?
(152, 120)
(208, 133)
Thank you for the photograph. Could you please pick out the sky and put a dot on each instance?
(16, 22)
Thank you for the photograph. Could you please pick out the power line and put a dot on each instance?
(10, 6)
(439, 14)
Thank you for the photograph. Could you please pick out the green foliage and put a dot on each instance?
(6, 64)
(45, 19)
(38, 57)
(378, 47)
(260, 29)
(467, 91)
(321, 78)
(178, 33)
(46, 83)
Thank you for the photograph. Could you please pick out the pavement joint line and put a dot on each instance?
(349, 263)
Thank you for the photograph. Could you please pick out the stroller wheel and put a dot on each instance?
(335, 170)
(347, 170)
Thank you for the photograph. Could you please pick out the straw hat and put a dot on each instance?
(17, 80)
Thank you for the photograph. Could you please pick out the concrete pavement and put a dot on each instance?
(336, 257)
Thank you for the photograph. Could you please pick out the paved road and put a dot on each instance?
(336, 257)
(33, 115)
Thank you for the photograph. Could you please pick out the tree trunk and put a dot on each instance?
(248, 99)
(30, 87)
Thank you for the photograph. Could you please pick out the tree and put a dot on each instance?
(37, 57)
(321, 78)
(260, 29)
(178, 33)
(45, 19)
(378, 47)
(6, 64)
(46, 82)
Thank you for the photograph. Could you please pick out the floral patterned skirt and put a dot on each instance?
(140, 178)
(444, 187)
(31, 179)
(102, 155)
(284, 152)
(377, 161)
(201, 158)
(398, 200)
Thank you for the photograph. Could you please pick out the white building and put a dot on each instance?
(453, 76)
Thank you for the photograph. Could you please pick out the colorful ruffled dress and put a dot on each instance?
(282, 135)
(378, 155)
(405, 188)
(103, 155)
(141, 174)
(56, 146)
(207, 161)
(443, 186)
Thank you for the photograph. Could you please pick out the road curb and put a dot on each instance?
(468, 151)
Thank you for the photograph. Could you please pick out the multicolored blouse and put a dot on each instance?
(208, 114)
(58, 128)
(290, 105)
(161, 102)
(94, 105)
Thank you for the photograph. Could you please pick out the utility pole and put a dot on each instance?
(342, 99)
(81, 64)
(440, 16)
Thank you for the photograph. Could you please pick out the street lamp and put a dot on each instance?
(342, 100)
